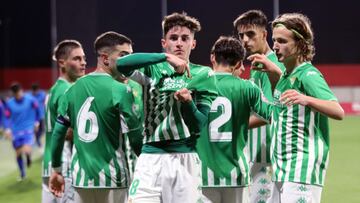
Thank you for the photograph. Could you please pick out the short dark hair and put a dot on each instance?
(62, 49)
(251, 17)
(180, 19)
(228, 51)
(15, 87)
(108, 40)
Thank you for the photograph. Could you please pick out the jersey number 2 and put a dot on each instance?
(225, 107)
(87, 133)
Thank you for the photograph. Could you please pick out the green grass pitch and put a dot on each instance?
(341, 185)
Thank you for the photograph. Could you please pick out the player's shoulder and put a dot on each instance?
(309, 72)
(201, 70)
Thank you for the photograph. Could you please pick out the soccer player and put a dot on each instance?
(70, 59)
(303, 103)
(251, 28)
(177, 99)
(98, 109)
(40, 96)
(23, 119)
(223, 143)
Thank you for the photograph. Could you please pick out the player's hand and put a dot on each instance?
(181, 66)
(8, 133)
(260, 62)
(36, 126)
(183, 95)
(56, 184)
(69, 134)
(291, 97)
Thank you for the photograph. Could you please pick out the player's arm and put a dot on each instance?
(127, 64)
(317, 95)
(272, 70)
(329, 108)
(130, 122)
(7, 123)
(260, 106)
(56, 181)
(37, 110)
(195, 114)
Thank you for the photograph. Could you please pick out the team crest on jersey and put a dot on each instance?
(277, 95)
(292, 80)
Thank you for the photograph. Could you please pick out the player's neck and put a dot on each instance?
(67, 78)
(223, 69)
(266, 49)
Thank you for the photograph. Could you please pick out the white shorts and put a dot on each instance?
(100, 195)
(226, 194)
(288, 192)
(173, 177)
(48, 197)
(261, 186)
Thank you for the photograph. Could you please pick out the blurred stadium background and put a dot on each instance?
(30, 29)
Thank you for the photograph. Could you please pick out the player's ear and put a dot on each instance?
(61, 62)
(163, 43)
(265, 34)
(193, 45)
(104, 58)
(212, 59)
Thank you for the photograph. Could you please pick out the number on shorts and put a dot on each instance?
(85, 116)
(226, 111)
(134, 186)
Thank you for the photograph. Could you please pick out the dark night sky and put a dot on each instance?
(25, 26)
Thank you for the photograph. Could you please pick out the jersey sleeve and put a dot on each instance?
(316, 86)
(258, 102)
(62, 106)
(203, 86)
(129, 63)
(129, 121)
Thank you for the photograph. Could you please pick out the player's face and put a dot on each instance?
(284, 45)
(119, 51)
(179, 41)
(75, 64)
(252, 37)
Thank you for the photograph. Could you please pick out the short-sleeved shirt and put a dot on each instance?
(300, 135)
(23, 113)
(222, 146)
(52, 105)
(102, 111)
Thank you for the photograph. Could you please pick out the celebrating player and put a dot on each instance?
(223, 144)
(98, 109)
(177, 99)
(70, 60)
(303, 103)
(251, 29)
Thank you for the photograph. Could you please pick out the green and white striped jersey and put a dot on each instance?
(300, 135)
(259, 138)
(102, 111)
(164, 118)
(222, 146)
(52, 104)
